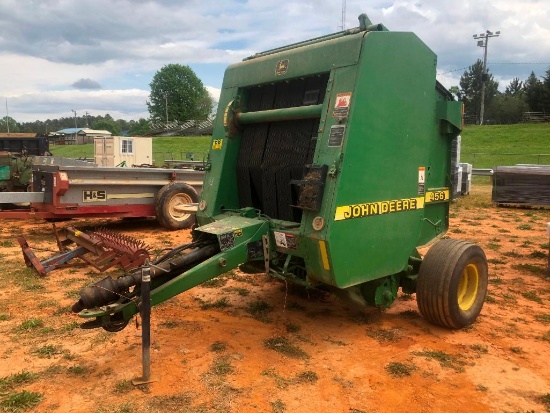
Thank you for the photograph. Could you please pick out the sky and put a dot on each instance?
(99, 56)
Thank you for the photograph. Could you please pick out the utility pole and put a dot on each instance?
(166, 106)
(72, 110)
(87, 123)
(343, 26)
(483, 41)
(7, 117)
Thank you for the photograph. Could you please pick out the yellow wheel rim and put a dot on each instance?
(467, 287)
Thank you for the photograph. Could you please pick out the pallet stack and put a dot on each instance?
(522, 185)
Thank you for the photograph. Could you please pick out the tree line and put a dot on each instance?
(519, 96)
(116, 127)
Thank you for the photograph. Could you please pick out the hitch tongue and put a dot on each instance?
(104, 291)
(109, 290)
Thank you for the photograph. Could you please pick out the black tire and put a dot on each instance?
(170, 196)
(452, 283)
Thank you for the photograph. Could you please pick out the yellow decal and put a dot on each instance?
(225, 113)
(282, 67)
(217, 144)
(324, 254)
(438, 195)
(378, 208)
(238, 232)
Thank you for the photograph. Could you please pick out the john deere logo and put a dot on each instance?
(282, 67)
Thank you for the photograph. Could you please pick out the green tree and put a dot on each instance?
(514, 88)
(107, 124)
(546, 92)
(534, 93)
(470, 91)
(11, 122)
(506, 109)
(176, 89)
(141, 127)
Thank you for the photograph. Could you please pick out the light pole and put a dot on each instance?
(483, 41)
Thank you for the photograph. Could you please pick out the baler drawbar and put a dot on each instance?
(329, 165)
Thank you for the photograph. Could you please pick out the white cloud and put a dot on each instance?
(121, 44)
(126, 104)
(214, 92)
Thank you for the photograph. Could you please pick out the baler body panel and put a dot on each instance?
(365, 107)
(392, 133)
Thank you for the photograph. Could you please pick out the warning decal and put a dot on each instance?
(284, 240)
(421, 180)
(282, 67)
(341, 105)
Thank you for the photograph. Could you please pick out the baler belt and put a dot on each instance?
(271, 153)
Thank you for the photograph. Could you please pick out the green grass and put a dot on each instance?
(397, 369)
(221, 366)
(485, 146)
(78, 370)
(20, 401)
(534, 269)
(218, 346)
(543, 318)
(258, 310)
(123, 386)
(47, 351)
(219, 304)
(10, 382)
(306, 376)
(31, 324)
(284, 346)
(173, 147)
(533, 296)
(445, 360)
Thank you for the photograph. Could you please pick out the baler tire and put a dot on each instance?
(168, 197)
(452, 283)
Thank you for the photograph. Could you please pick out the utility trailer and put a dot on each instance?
(329, 166)
(25, 144)
(62, 188)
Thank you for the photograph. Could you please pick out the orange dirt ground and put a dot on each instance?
(214, 347)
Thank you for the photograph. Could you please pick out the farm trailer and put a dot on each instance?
(63, 188)
(329, 165)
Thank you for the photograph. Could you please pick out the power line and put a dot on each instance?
(451, 71)
(497, 63)
(520, 63)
